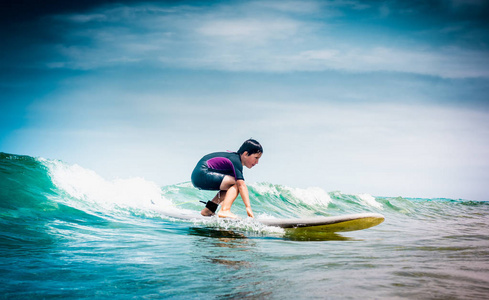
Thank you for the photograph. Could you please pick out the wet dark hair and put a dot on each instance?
(251, 146)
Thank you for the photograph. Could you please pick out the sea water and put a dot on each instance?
(66, 232)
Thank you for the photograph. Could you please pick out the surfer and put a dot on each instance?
(223, 172)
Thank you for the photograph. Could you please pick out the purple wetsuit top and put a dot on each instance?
(212, 168)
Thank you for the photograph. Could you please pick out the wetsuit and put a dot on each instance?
(211, 169)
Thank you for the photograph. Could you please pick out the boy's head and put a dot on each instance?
(251, 146)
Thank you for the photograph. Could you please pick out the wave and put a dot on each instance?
(35, 186)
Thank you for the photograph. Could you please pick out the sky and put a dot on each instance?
(388, 98)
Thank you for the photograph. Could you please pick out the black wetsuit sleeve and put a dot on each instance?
(238, 167)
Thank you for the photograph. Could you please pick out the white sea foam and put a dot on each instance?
(265, 189)
(87, 185)
(364, 198)
(248, 224)
(311, 195)
(369, 200)
(265, 216)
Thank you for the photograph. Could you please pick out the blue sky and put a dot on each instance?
(388, 98)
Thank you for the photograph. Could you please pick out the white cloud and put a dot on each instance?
(270, 39)
(84, 18)
(250, 30)
(305, 6)
(446, 62)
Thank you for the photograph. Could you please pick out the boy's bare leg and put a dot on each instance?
(227, 183)
(231, 195)
(218, 198)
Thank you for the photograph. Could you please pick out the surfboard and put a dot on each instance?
(340, 223)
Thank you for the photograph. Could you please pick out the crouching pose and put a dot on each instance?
(223, 172)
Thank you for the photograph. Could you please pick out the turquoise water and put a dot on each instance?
(66, 232)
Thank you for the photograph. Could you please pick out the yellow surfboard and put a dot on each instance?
(328, 224)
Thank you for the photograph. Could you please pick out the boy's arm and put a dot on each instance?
(243, 191)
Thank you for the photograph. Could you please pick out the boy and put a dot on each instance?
(223, 172)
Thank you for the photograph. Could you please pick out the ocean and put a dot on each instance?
(67, 232)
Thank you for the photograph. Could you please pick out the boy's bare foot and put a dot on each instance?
(206, 212)
(226, 214)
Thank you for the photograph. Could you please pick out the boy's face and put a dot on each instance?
(250, 161)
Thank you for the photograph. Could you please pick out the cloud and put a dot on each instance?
(297, 7)
(447, 62)
(273, 39)
(249, 30)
